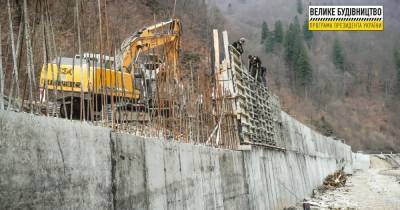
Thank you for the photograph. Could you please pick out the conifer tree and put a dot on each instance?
(264, 31)
(296, 55)
(303, 68)
(291, 42)
(269, 43)
(338, 55)
(299, 7)
(278, 32)
(296, 24)
(308, 35)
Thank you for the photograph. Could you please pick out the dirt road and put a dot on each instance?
(376, 188)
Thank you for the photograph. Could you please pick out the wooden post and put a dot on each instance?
(216, 50)
(226, 50)
(216, 72)
(46, 87)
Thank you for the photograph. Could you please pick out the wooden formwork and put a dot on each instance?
(255, 110)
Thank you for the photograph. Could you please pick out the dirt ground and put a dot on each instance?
(376, 188)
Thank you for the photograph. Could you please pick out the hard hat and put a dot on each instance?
(242, 40)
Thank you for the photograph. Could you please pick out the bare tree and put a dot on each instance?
(45, 90)
(1, 77)
(82, 111)
(29, 57)
(14, 80)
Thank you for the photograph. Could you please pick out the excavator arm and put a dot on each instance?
(164, 34)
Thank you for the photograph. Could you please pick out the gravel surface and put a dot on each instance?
(376, 188)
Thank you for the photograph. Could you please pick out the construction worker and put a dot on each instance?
(254, 65)
(238, 45)
(252, 70)
(261, 77)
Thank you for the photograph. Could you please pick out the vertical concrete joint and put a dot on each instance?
(113, 171)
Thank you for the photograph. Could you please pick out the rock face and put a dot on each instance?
(48, 163)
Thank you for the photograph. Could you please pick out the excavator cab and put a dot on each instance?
(148, 66)
(147, 69)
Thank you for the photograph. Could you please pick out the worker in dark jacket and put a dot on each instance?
(252, 69)
(254, 66)
(261, 78)
(238, 45)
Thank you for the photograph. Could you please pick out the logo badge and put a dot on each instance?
(345, 18)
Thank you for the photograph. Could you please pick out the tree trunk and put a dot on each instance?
(1, 77)
(29, 58)
(14, 80)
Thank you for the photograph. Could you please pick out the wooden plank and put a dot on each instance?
(216, 50)
(226, 50)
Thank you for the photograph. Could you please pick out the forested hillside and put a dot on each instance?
(345, 84)
(66, 28)
(119, 19)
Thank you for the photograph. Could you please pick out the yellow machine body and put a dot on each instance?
(70, 78)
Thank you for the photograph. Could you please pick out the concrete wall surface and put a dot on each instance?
(157, 174)
(278, 179)
(361, 161)
(48, 163)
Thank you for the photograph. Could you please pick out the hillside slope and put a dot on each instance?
(358, 104)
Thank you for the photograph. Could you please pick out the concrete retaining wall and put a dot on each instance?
(279, 178)
(361, 161)
(53, 163)
(48, 163)
(156, 174)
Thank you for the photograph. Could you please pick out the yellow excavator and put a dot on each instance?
(146, 55)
